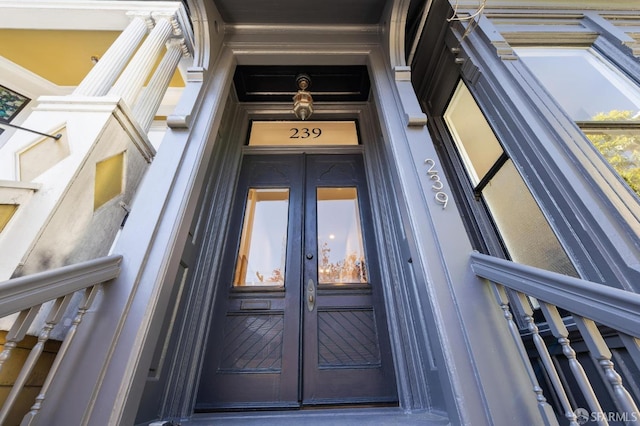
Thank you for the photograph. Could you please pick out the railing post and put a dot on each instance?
(600, 351)
(55, 314)
(554, 320)
(18, 332)
(545, 357)
(53, 291)
(546, 411)
(89, 295)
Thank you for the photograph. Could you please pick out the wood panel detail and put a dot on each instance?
(347, 338)
(252, 343)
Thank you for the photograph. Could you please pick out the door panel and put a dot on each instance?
(346, 352)
(252, 359)
(299, 316)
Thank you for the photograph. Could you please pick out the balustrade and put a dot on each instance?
(51, 291)
(587, 304)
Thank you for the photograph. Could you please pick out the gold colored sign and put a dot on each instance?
(308, 133)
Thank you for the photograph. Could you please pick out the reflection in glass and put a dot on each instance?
(600, 98)
(261, 257)
(582, 81)
(340, 246)
(621, 148)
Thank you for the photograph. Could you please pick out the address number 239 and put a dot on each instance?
(441, 196)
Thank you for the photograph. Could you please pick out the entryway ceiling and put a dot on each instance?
(296, 12)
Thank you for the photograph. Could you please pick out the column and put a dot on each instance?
(130, 83)
(149, 102)
(102, 76)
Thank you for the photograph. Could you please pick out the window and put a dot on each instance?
(602, 101)
(340, 243)
(524, 230)
(263, 244)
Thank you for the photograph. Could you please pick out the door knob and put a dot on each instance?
(309, 256)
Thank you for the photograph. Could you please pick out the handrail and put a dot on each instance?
(18, 294)
(612, 307)
(588, 303)
(52, 293)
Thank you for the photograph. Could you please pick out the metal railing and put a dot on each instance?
(50, 292)
(590, 304)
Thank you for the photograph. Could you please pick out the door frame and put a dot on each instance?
(417, 377)
(413, 371)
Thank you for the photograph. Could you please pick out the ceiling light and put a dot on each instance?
(302, 101)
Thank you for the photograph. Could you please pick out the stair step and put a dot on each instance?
(342, 417)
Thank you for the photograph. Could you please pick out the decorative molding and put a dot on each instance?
(502, 47)
(145, 15)
(17, 184)
(555, 38)
(111, 104)
(412, 112)
(396, 29)
(402, 73)
(27, 82)
(170, 16)
(471, 72)
(44, 153)
(77, 15)
(616, 33)
(553, 4)
(138, 136)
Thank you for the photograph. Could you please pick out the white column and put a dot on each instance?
(135, 74)
(102, 76)
(149, 102)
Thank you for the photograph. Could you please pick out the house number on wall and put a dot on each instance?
(441, 197)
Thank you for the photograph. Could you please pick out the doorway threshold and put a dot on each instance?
(330, 416)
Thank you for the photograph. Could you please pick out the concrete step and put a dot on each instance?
(312, 417)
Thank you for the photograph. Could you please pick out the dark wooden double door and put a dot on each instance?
(299, 315)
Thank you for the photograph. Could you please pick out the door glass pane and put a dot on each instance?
(261, 258)
(341, 252)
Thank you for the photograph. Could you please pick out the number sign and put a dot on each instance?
(308, 133)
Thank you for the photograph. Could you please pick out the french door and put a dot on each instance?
(299, 314)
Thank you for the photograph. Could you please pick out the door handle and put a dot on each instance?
(311, 295)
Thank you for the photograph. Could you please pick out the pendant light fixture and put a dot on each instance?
(302, 101)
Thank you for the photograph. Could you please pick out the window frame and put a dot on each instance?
(608, 71)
